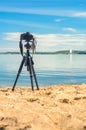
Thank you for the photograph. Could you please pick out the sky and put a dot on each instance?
(56, 24)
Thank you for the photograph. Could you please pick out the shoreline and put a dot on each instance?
(56, 107)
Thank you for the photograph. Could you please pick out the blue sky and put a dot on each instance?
(56, 24)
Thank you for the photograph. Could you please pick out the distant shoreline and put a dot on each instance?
(48, 53)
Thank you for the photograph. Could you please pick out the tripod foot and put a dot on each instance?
(37, 88)
(12, 89)
(32, 89)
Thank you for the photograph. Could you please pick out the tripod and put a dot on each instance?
(27, 59)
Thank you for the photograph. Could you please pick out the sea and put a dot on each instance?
(50, 69)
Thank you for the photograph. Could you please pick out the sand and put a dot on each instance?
(58, 107)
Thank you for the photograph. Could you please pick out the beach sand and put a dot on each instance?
(58, 107)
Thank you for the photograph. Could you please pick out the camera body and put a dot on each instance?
(30, 42)
(26, 36)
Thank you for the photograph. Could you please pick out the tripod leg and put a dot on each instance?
(31, 78)
(35, 78)
(29, 65)
(19, 71)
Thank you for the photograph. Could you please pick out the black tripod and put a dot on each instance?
(27, 59)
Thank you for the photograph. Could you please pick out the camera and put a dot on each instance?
(30, 42)
(26, 36)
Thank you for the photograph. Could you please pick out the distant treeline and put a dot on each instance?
(56, 52)
(72, 52)
(9, 53)
(64, 52)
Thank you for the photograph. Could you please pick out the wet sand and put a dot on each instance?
(58, 107)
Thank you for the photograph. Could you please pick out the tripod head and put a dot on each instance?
(31, 42)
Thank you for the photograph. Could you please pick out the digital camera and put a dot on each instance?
(26, 36)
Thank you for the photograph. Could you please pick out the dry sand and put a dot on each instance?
(59, 107)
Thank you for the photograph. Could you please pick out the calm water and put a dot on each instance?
(50, 69)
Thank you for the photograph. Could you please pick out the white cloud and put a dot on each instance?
(12, 36)
(37, 11)
(58, 20)
(70, 29)
(9, 49)
(40, 11)
(80, 14)
(53, 42)
(26, 24)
